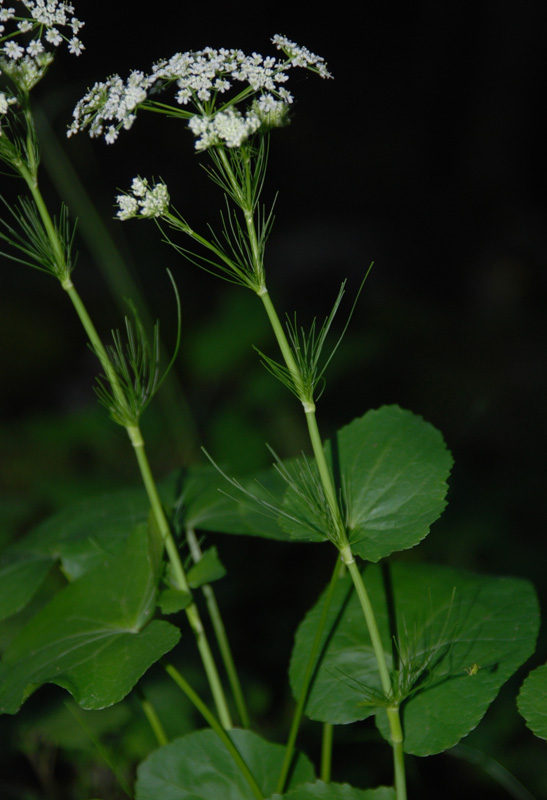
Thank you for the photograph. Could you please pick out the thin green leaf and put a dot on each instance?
(136, 363)
(30, 238)
(307, 348)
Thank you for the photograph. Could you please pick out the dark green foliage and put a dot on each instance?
(451, 639)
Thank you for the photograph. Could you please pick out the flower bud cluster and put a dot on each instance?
(226, 95)
(143, 200)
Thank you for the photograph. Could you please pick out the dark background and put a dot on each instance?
(426, 155)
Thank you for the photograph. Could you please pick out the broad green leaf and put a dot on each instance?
(391, 468)
(95, 638)
(336, 791)
(80, 536)
(532, 701)
(459, 637)
(199, 767)
(208, 569)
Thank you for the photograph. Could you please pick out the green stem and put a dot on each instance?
(326, 752)
(137, 441)
(279, 333)
(342, 543)
(32, 183)
(246, 202)
(392, 711)
(308, 676)
(95, 340)
(64, 277)
(326, 477)
(313, 430)
(218, 729)
(154, 721)
(179, 575)
(368, 613)
(221, 636)
(100, 242)
(398, 753)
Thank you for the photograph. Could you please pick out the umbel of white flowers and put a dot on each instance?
(225, 94)
(28, 35)
(28, 32)
(144, 200)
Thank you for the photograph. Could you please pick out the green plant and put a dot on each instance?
(422, 649)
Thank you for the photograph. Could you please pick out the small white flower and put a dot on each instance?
(24, 25)
(144, 201)
(13, 50)
(75, 46)
(6, 14)
(76, 25)
(111, 135)
(53, 37)
(35, 47)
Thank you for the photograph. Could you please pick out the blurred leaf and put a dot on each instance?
(391, 468)
(61, 725)
(210, 502)
(207, 570)
(21, 575)
(336, 791)
(532, 701)
(199, 767)
(95, 638)
(458, 636)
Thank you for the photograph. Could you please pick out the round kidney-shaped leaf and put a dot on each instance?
(200, 767)
(458, 637)
(390, 467)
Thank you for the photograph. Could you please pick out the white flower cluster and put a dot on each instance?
(26, 60)
(202, 80)
(232, 128)
(143, 201)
